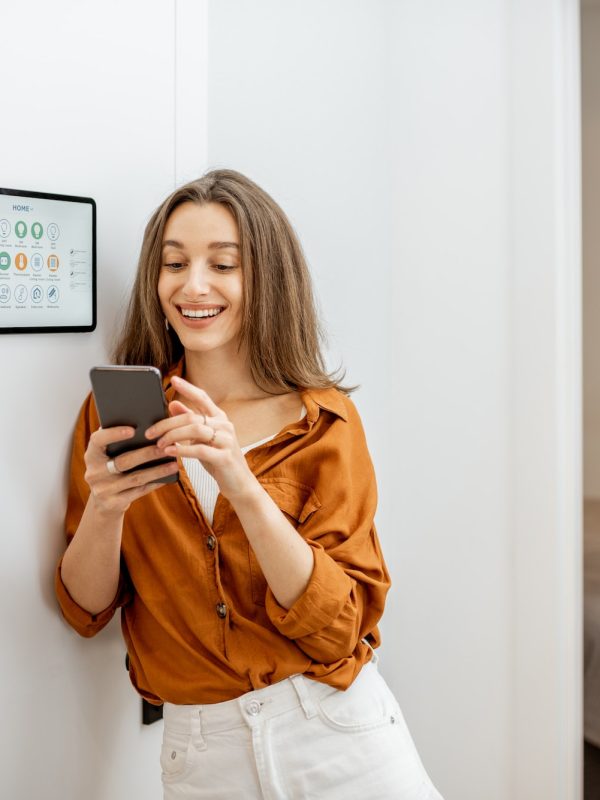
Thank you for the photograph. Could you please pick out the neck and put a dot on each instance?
(224, 376)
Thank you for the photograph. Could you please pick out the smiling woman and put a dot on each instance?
(279, 326)
(251, 589)
(200, 281)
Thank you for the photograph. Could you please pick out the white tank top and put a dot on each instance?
(205, 486)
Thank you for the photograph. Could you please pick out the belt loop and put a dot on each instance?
(196, 728)
(374, 656)
(299, 683)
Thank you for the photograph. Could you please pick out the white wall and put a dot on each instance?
(451, 352)
(590, 101)
(404, 140)
(87, 109)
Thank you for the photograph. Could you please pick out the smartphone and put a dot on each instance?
(132, 396)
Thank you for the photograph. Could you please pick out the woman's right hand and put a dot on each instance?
(113, 494)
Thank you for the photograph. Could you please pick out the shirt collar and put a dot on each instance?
(168, 387)
(327, 399)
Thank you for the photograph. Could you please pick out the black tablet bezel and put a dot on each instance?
(61, 328)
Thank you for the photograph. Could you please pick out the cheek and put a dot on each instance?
(238, 293)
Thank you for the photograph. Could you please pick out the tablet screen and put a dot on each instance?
(47, 262)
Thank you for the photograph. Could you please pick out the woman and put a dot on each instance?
(251, 588)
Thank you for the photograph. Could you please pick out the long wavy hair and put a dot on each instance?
(280, 324)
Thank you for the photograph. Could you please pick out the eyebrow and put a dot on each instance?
(211, 246)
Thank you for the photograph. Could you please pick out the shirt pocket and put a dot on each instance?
(297, 501)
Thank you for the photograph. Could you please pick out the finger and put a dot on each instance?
(140, 477)
(169, 423)
(118, 490)
(199, 396)
(134, 458)
(109, 482)
(159, 429)
(196, 433)
(104, 436)
(203, 452)
(131, 495)
(177, 407)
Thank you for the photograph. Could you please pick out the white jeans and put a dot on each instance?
(295, 740)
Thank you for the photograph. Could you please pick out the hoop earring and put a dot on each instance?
(166, 324)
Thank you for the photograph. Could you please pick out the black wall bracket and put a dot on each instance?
(150, 712)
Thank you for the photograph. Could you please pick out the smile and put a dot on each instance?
(192, 313)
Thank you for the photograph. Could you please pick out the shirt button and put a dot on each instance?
(222, 610)
(211, 542)
(253, 708)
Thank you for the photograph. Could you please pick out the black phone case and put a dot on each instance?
(132, 396)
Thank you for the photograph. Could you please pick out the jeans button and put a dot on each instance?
(253, 708)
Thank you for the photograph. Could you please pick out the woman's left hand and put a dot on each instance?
(188, 432)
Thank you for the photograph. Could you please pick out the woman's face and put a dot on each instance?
(200, 274)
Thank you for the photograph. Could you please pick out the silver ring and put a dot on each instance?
(204, 421)
(112, 467)
(213, 436)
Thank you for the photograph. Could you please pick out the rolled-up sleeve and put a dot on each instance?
(345, 596)
(79, 618)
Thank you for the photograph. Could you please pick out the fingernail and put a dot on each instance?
(150, 433)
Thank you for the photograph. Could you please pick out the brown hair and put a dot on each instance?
(280, 325)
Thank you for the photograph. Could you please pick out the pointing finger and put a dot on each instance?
(199, 396)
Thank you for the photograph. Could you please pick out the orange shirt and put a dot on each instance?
(200, 622)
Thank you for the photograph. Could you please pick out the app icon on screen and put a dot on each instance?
(53, 231)
(52, 294)
(21, 293)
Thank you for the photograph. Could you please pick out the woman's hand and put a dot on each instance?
(202, 430)
(114, 493)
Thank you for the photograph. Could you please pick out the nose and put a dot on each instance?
(197, 282)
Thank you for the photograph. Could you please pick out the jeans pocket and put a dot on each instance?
(176, 755)
(365, 705)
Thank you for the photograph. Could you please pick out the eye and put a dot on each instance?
(224, 267)
(174, 266)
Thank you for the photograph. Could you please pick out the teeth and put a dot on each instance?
(188, 312)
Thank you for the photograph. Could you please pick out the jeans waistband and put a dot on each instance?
(251, 707)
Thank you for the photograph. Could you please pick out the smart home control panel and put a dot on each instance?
(47, 262)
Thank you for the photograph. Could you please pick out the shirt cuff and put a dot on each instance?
(319, 605)
(79, 618)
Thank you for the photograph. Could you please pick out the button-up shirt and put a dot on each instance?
(199, 620)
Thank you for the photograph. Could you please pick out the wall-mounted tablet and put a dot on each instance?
(47, 262)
